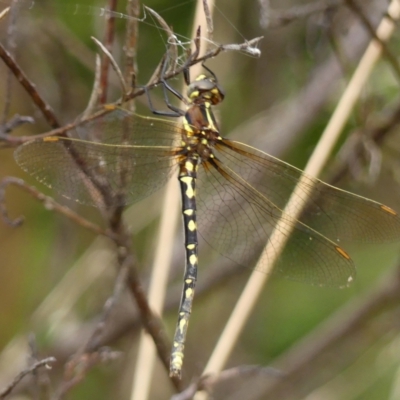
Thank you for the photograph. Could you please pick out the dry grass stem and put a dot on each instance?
(250, 294)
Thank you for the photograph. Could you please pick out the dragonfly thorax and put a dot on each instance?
(198, 147)
(199, 117)
(201, 131)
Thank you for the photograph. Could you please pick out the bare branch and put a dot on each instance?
(94, 97)
(75, 371)
(210, 24)
(120, 284)
(108, 40)
(42, 363)
(115, 66)
(29, 87)
(49, 203)
(207, 382)
(130, 48)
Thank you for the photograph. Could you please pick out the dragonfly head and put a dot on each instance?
(205, 89)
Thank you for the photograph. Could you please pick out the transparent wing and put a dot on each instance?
(240, 201)
(125, 155)
(240, 196)
(335, 213)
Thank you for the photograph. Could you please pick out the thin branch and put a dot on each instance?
(207, 382)
(108, 40)
(247, 47)
(49, 203)
(76, 370)
(42, 363)
(11, 48)
(108, 55)
(130, 48)
(391, 58)
(156, 76)
(152, 323)
(29, 87)
(94, 96)
(13, 123)
(120, 284)
(172, 52)
(40, 377)
(91, 355)
(209, 20)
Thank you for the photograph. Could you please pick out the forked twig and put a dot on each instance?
(42, 363)
(12, 124)
(94, 96)
(108, 55)
(95, 338)
(172, 51)
(77, 368)
(247, 47)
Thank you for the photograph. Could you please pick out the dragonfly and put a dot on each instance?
(232, 193)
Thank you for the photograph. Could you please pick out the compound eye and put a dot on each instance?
(206, 89)
(198, 87)
(205, 85)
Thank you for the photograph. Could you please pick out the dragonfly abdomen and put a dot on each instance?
(187, 181)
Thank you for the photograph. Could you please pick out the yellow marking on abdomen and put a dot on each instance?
(191, 226)
(193, 259)
(182, 324)
(188, 181)
(188, 293)
(189, 212)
